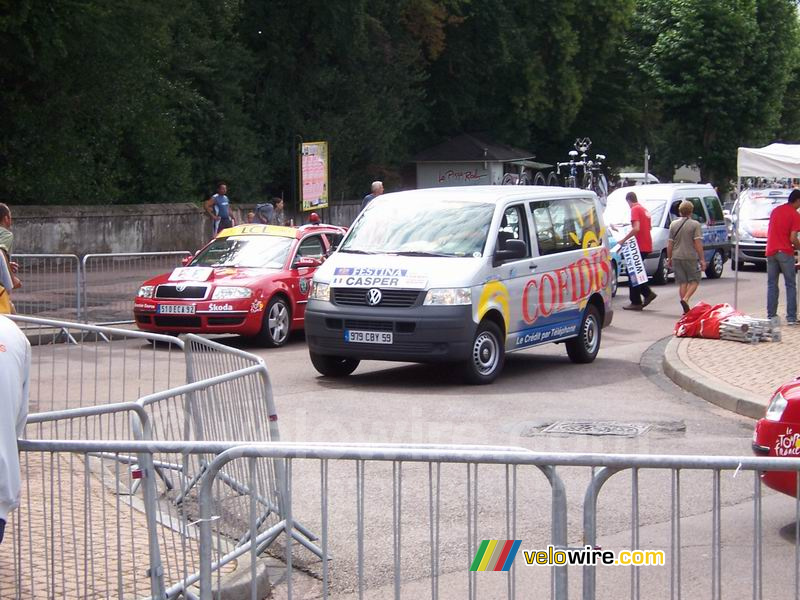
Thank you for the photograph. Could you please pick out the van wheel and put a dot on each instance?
(661, 276)
(614, 278)
(333, 366)
(276, 324)
(584, 348)
(487, 355)
(715, 266)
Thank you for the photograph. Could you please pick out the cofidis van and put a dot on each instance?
(463, 275)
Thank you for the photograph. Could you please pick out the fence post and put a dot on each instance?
(590, 526)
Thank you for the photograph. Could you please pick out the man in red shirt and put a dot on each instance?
(784, 223)
(640, 228)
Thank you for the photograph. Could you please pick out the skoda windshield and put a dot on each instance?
(421, 227)
(245, 251)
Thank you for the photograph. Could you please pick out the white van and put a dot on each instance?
(662, 200)
(463, 275)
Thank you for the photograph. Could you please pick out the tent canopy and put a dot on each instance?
(775, 160)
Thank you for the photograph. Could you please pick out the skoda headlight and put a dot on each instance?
(776, 407)
(320, 291)
(228, 292)
(448, 297)
(146, 291)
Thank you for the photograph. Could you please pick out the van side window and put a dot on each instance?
(714, 209)
(513, 227)
(562, 225)
(583, 228)
(545, 234)
(698, 213)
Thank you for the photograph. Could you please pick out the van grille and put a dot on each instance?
(389, 298)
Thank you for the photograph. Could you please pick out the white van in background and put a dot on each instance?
(637, 179)
(662, 200)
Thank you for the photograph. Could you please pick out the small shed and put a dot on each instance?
(471, 159)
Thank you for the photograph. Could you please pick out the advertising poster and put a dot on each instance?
(314, 175)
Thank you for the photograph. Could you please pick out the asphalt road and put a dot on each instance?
(406, 403)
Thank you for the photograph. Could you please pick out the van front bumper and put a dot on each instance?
(419, 334)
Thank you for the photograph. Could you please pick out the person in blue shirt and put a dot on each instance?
(218, 208)
(377, 190)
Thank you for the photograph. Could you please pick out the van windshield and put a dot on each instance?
(760, 207)
(441, 228)
(619, 213)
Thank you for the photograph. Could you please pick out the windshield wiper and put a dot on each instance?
(419, 253)
(356, 251)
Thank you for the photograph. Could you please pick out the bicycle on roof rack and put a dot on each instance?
(591, 170)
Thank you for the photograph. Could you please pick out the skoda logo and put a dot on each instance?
(374, 297)
(180, 287)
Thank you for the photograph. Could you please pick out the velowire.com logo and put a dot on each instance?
(495, 555)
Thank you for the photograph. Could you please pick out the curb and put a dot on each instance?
(679, 368)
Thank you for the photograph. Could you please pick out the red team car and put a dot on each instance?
(252, 280)
(778, 434)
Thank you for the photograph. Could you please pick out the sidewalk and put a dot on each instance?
(736, 376)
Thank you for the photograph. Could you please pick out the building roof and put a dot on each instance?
(472, 147)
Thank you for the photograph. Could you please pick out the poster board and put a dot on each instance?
(314, 175)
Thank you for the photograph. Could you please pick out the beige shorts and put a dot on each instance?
(686, 270)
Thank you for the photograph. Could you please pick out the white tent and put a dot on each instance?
(775, 160)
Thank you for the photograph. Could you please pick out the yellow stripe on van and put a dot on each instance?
(494, 294)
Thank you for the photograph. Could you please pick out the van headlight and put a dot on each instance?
(146, 291)
(448, 297)
(320, 291)
(229, 292)
(744, 236)
(776, 407)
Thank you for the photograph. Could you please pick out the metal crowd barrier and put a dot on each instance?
(110, 282)
(51, 285)
(395, 521)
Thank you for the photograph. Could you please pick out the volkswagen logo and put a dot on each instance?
(180, 287)
(374, 297)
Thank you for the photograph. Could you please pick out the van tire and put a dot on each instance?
(715, 266)
(661, 276)
(584, 348)
(487, 355)
(333, 366)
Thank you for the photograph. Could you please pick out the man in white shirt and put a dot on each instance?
(15, 366)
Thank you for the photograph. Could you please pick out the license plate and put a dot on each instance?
(368, 337)
(176, 309)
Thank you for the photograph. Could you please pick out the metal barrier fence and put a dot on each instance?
(100, 288)
(110, 282)
(397, 521)
(51, 285)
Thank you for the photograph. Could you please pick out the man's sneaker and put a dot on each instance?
(649, 298)
(633, 307)
(788, 322)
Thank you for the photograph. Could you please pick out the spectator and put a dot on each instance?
(640, 229)
(784, 223)
(15, 365)
(265, 214)
(280, 219)
(684, 250)
(218, 208)
(6, 244)
(377, 190)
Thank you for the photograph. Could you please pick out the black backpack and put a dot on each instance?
(265, 213)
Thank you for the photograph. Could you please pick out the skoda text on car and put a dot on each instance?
(662, 201)
(751, 218)
(778, 434)
(463, 275)
(252, 280)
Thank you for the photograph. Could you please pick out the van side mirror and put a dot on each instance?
(514, 249)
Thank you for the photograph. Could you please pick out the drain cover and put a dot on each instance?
(598, 428)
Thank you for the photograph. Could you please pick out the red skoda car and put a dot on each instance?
(252, 280)
(778, 434)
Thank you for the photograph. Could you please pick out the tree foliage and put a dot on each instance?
(135, 101)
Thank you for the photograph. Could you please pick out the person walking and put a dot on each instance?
(685, 253)
(15, 367)
(6, 245)
(640, 229)
(784, 223)
(377, 190)
(218, 208)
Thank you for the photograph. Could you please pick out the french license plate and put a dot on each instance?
(176, 309)
(368, 337)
